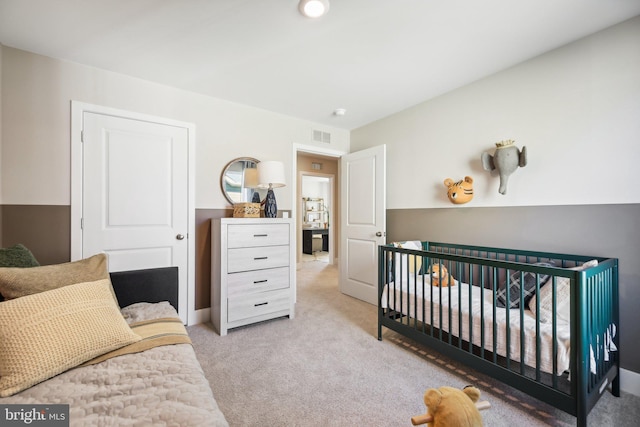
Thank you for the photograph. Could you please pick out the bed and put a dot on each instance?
(544, 323)
(155, 380)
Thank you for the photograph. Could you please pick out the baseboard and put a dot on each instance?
(630, 382)
(202, 316)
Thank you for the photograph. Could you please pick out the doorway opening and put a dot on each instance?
(315, 218)
(316, 207)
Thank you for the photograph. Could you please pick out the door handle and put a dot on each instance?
(379, 234)
(180, 236)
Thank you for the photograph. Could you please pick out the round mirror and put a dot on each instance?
(239, 180)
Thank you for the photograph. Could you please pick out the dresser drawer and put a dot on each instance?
(246, 259)
(252, 235)
(257, 281)
(247, 306)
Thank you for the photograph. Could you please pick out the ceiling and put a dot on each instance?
(370, 57)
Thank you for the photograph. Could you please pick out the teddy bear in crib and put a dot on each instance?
(452, 407)
(440, 276)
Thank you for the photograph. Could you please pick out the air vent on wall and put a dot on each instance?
(320, 136)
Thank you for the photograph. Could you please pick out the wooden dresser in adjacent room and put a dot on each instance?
(252, 271)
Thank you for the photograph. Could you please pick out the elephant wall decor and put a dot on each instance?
(505, 160)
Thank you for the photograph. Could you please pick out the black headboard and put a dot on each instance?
(149, 285)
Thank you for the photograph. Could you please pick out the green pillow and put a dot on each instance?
(17, 256)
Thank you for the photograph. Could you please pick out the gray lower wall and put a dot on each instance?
(203, 253)
(44, 229)
(598, 230)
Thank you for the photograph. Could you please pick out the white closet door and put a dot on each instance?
(135, 194)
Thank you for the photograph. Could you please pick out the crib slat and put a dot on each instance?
(459, 314)
(469, 278)
(423, 284)
(538, 338)
(449, 312)
(482, 322)
(522, 341)
(583, 331)
(439, 288)
(431, 331)
(554, 334)
(594, 343)
(495, 328)
(414, 259)
(508, 322)
(615, 320)
(554, 322)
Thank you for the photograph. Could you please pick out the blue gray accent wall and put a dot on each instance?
(595, 230)
(44, 229)
(598, 230)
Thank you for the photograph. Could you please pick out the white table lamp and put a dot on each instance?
(271, 175)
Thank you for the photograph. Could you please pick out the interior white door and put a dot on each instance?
(363, 221)
(135, 195)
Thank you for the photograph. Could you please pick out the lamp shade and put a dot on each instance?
(271, 174)
(251, 178)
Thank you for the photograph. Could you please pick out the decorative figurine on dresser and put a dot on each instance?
(252, 271)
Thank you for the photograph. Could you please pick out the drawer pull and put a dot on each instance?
(260, 281)
(260, 257)
(259, 304)
(260, 235)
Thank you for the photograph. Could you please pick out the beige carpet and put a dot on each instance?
(326, 367)
(322, 256)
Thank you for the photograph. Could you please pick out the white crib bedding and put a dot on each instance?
(409, 300)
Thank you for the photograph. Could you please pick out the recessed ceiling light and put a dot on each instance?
(313, 8)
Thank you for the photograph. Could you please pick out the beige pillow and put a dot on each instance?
(563, 297)
(18, 282)
(45, 334)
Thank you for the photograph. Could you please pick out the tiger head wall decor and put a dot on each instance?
(459, 192)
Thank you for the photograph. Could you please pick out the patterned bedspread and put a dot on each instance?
(164, 385)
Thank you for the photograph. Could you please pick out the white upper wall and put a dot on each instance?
(35, 128)
(576, 109)
(0, 131)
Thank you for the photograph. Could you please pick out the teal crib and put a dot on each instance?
(544, 323)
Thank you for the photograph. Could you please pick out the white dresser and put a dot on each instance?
(252, 271)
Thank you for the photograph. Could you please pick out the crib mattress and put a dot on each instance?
(464, 311)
